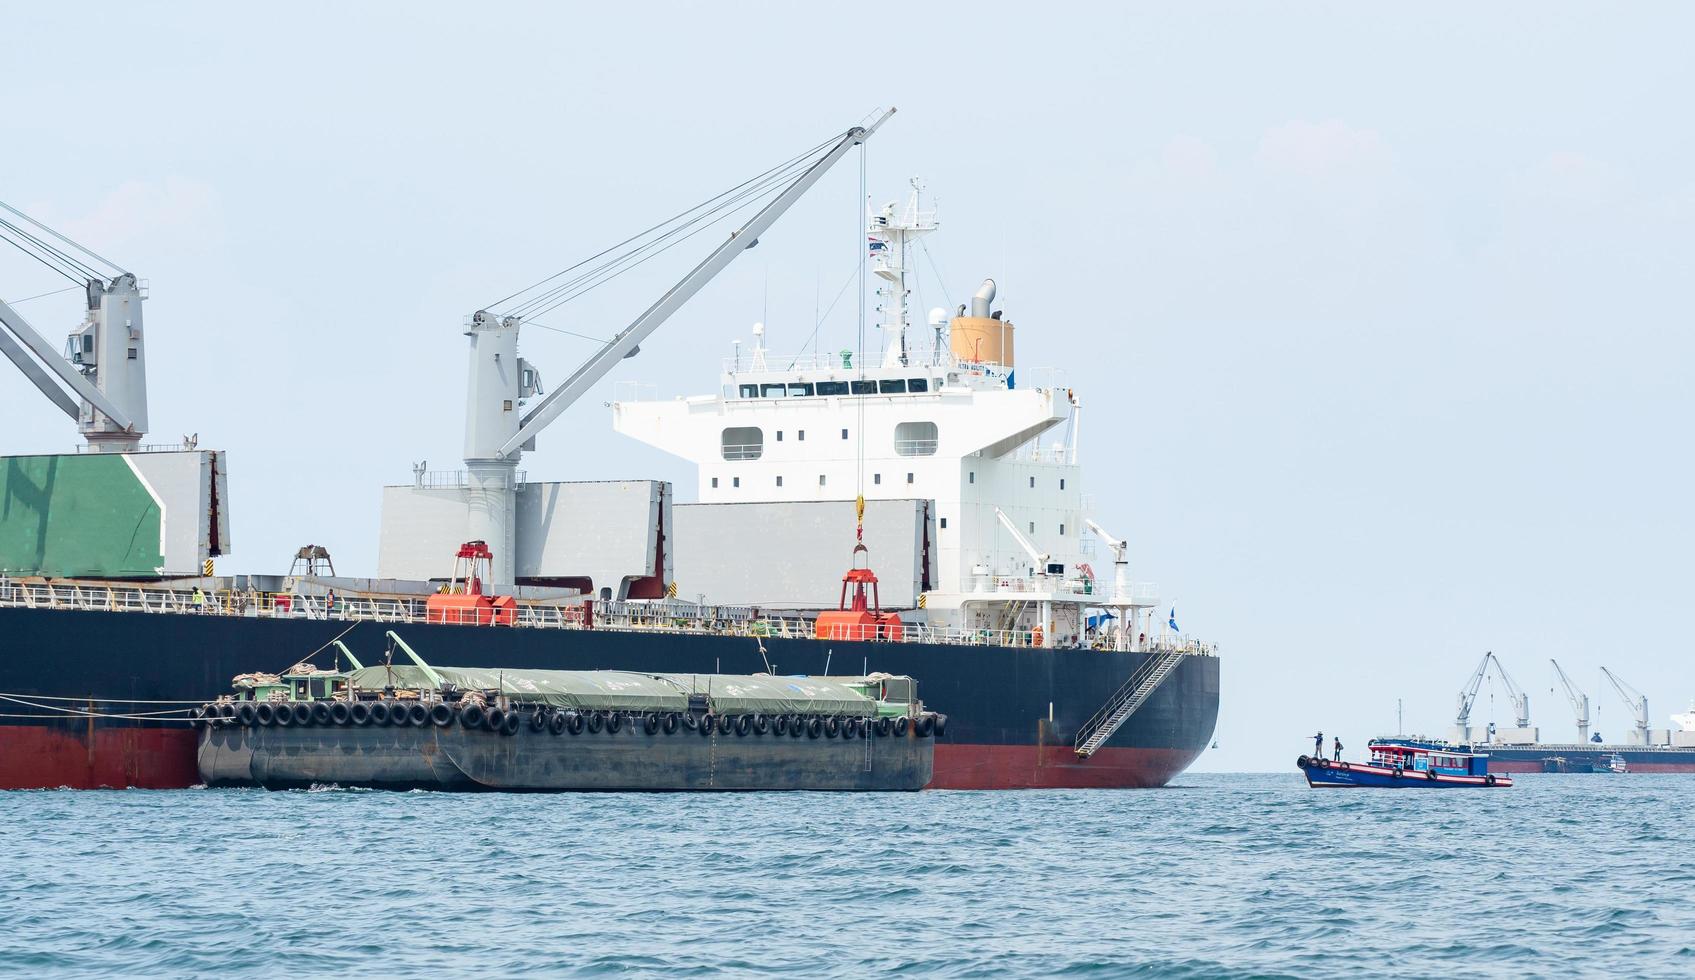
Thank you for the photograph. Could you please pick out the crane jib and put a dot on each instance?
(601, 363)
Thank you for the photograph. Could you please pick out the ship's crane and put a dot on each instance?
(100, 380)
(1521, 700)
(1468, 696)
(1638, 703)
(496, 434)
(1579, 702)
(1120, 565)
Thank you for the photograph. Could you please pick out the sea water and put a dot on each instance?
(1217, 876)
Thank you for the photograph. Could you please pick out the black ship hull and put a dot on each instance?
(1013, 711)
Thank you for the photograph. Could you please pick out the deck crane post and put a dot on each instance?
(1638, 704)
(1468, 695)
(100, 380)
(495, 434)
(1579, 702)
(1041, 562)
(1121, 600)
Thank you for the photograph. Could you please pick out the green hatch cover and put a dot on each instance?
(77, 516)
(626, 690)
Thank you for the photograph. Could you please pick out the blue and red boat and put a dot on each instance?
(1405, 765)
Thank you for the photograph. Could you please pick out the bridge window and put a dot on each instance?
(892, 386)
(918, 384)
(743, 442)
(915, 439)
(800, 389)
(773, 391)
(832, 387)
(864, 387)
(750, 391)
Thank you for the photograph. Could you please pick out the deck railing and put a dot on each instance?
(651, 617)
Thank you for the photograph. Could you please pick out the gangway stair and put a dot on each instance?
(1125, 702)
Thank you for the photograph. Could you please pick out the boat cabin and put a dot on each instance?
(1409, 758)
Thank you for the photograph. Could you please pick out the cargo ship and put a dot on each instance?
(1519, 748)
(929, 472)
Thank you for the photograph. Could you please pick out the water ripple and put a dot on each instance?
(1234, 876)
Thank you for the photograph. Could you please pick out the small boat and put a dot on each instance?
(1395, 765)
(1611, 764)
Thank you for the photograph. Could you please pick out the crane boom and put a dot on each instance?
(60, 367)
(627, 340)
(1038, 557)
(1638, 703)
(1579, 702)
(1468, 696)
(1521, 700)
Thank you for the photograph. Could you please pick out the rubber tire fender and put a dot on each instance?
(226, 711)
(265, 714)
(650, 723)
(1343, 766)
(574, 722)
(538, 720)
(941, 724)
(247, 713)
(555, 723)
(780, 725)
(708, 723)
(596, 722)
(379, 712)
(495, 720)
(815, 728)
(1489, 780)
(1303, 762)
(761, 724)
(671, 722)
(1396, 773)
(441, 714)
(1430, 774)
(417, 714)
(301, 712)
(359, 713)
(690, 722)
(1321, 763)
(833, 726)
(850, 728)
(341, 713)
(797, 725)
(614, 722)
(884, 726)
(473, 716)
(901, 724)
(726, 724)
(320, 713)
(926, 726)
(744, 724)
(513, 723)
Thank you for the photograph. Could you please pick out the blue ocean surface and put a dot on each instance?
(1219, 876)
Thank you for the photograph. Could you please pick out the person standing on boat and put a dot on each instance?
(1338, 756)
(1318, 746)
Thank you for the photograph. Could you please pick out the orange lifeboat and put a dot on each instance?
(462, 601)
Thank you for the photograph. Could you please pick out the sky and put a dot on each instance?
(1381, 317)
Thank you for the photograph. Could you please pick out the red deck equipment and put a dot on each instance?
(463, 602)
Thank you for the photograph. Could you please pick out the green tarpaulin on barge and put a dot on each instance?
(586, 690)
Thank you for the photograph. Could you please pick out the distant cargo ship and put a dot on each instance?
(1520, 748)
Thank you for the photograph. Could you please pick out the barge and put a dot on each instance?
(415, 726)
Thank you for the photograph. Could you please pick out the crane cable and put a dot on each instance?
(716, 208)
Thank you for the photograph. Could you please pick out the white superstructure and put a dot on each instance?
(949, 421)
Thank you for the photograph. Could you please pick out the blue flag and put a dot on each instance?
(1174, 628)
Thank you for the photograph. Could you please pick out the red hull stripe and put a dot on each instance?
(1054, 767)
(150, 758)
(34, 757)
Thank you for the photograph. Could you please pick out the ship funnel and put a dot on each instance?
(981, 299)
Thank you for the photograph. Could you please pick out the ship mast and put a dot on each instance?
(890, 233)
